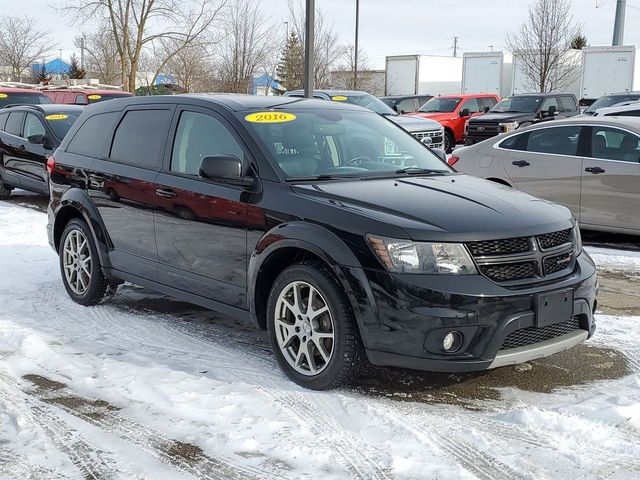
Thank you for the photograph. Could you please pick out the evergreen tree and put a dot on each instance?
(42, 76)
(579, 42)
(74, 69)
(290, 71)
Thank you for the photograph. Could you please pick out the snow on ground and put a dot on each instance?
(615, 260)
(128, 390)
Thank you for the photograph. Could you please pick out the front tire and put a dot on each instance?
(449, 142)
(80, 266)
(312, 330)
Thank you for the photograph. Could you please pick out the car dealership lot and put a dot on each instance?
(149, 387)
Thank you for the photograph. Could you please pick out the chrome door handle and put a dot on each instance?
(520, 163)
(166, 193)
(594, 170)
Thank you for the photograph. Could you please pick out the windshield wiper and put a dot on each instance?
(323, 176)
(418, 171)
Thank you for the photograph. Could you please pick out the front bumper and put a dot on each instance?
(415, 312)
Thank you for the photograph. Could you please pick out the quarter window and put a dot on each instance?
(138, 138)
(555, 140)
(90, 139)
(33, 126)
(198, 136)
(14, 123)
(613, 144)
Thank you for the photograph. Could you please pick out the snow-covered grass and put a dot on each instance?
(165, 378)
(615, 260)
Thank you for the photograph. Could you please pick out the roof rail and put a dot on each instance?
(28, 105)
(92, 86)
(17, 85)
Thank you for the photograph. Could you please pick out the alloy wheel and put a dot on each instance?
(77, 262)
(304, 328)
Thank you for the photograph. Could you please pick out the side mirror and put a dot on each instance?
(486, 109)
(395, 109)
(441, 154)
(82, 101)
(465, 112)
(225, 169)
(40, 140)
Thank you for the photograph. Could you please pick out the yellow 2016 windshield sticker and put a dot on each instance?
(94, 97)
(3, 95)
(58, 116)
(270, 117)
(339, 98)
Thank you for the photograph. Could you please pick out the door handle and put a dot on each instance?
(166, 193)
(520, 163)
(594, 170)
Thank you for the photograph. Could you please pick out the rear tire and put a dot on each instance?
(5, 190)
(316, 350)
(449, 142)
(80, 266)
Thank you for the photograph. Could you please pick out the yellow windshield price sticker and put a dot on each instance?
(270, 117)
(3, 95)
(339, 98)
(94, 97)
(58, 116)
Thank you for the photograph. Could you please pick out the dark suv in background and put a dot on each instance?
(519, 111)
(406, 103)
(308, 217)
(28, 135)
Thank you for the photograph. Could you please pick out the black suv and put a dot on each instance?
(520, 111)
(28, 135)
(268, 209)
(406, 103)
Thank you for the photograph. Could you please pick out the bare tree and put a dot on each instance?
(543, 45)
(246, 47)
(101, 57)
(344, 75)
(192, 68)
(137, 25)
(326, 48)
(22, 42)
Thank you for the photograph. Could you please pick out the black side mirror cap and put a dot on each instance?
(465, 112)
(225, 169)
(40, 140)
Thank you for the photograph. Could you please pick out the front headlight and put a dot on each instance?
(508, 127)
(405, 256)
(577, 239)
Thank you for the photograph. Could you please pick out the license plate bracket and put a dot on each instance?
(554, 307)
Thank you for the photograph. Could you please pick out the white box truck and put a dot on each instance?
(607, 70)
(422, 74)
(486, 72)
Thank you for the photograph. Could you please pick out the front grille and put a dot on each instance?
(482, 130)
(510, 272)
(435, 135)
(554, 239)
(532, 335)
(556, 263)
(499, 247)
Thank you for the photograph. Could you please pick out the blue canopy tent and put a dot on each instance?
(263, 83)
(56, 66)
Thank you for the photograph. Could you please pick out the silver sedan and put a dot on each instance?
(589, 164)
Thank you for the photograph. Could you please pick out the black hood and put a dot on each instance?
(447, 207)
(497, 117)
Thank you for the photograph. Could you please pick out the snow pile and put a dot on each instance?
(615, 260)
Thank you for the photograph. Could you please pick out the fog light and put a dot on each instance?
(452, 341)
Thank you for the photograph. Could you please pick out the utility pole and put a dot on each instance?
(308, 48)
(618, 25)
(455, 46)
(82, 51)
(355, 55)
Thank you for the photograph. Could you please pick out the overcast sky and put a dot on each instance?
(389, 27)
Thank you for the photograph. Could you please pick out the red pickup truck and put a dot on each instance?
(452, 111)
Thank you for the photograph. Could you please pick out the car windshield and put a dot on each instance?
(100, 97)
(327, 144)
(22, 98)
(442, 105)
(517, 105)
(606, 101)
(60, 122)
(367, 101)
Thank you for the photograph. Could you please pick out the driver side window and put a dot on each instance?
(198, 136)
(33, 126)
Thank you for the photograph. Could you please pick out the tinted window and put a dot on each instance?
(548, 103)
(558, 140)
(91, 137)
(33, 126)
(406, 105)
(613, 144)
(442, 105)
(14, 123)
(486, 103)
(568, 104)
(472, 105)
(139, 138)
(524, 104)
(514, 142)
(11, 98)
(94, 98)
(200, 136)
(628, 113)
(3, 120)
(81, 100)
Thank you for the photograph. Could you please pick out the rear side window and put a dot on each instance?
(515, 142)
(471, 105)
(486, 103)
(556, 140)
(3, 120)
(568, 104)
(91, 137)
(14, 123)
(140, 138)
(33, 126)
